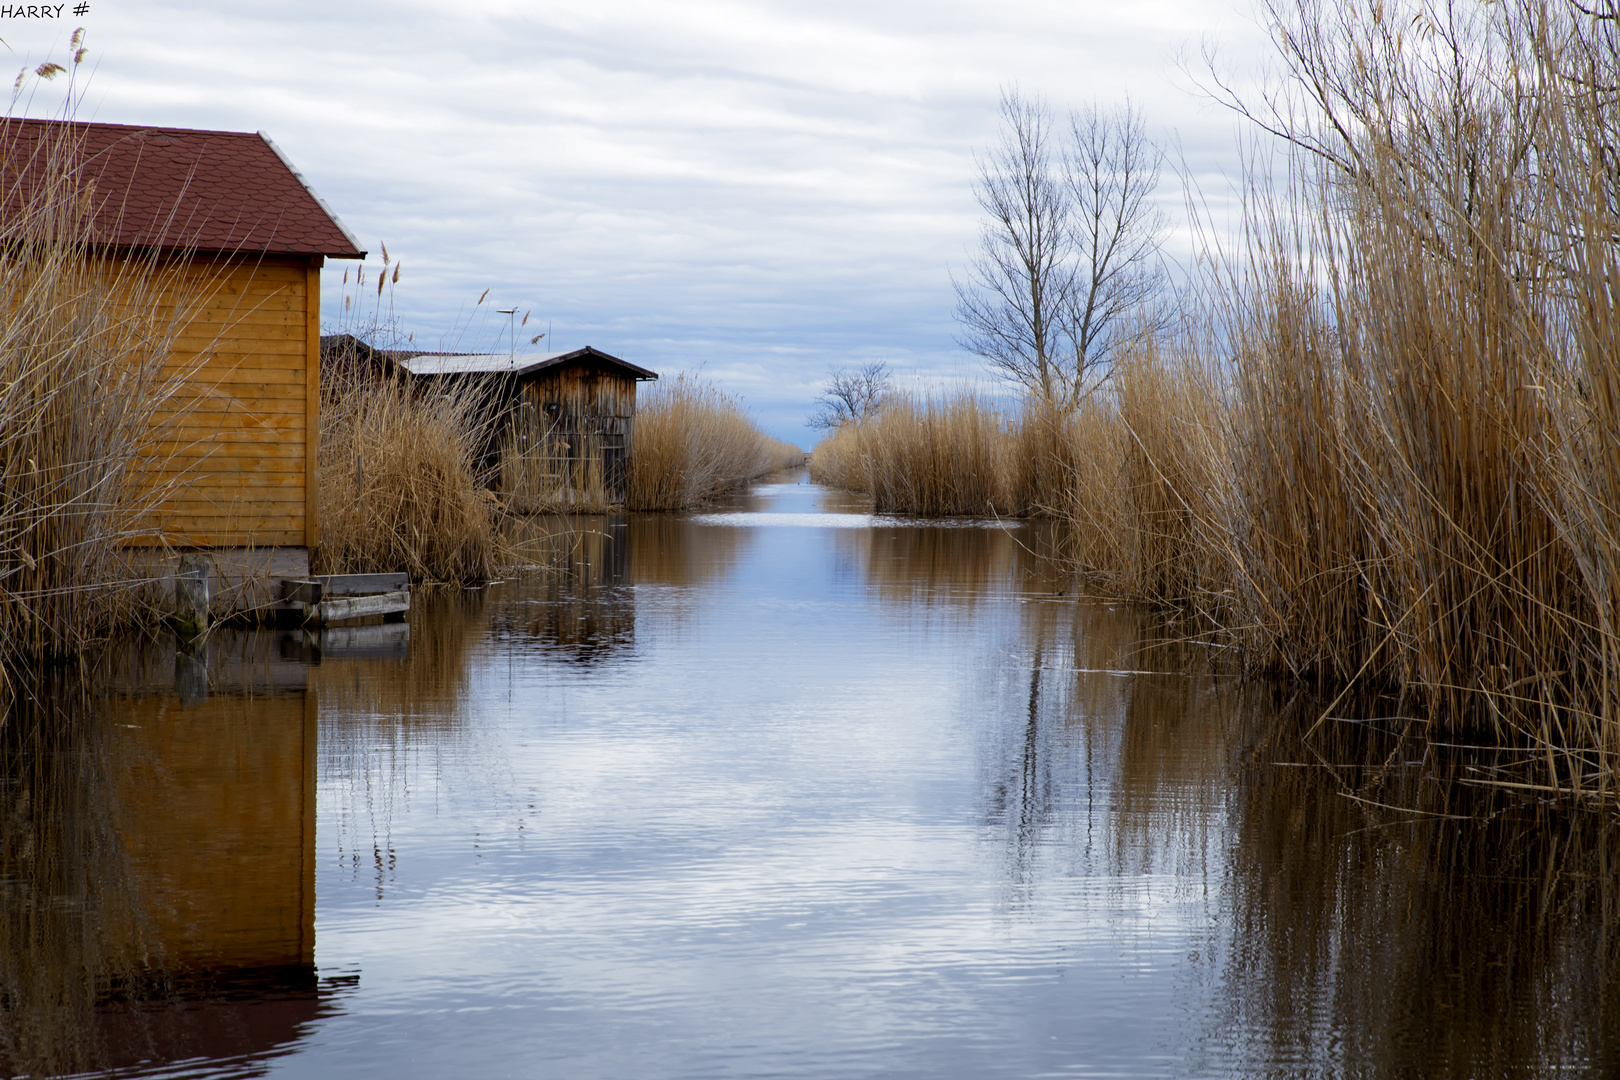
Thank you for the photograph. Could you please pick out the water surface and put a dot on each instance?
(787, 790)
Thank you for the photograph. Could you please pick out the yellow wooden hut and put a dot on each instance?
(252, 236)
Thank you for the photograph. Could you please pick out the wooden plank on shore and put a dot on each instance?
(363, 584)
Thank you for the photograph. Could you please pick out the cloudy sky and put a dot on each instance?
(750, 189)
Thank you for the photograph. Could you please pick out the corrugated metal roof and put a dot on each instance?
(430, 364)
(214, 191)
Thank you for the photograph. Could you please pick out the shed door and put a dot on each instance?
(614, 472)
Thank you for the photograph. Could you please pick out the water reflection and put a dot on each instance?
(577, 604)
(157, 861)
(737, 794)
(1374, 941)
(574, 595)
(956, 566)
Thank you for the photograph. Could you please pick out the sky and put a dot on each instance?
(751, 191)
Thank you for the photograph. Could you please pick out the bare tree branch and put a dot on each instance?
(852, 396)
(1021, 279)
(1067, 262)
(1111, 171)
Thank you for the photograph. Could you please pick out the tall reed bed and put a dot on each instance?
(924, 455)
(84, 339)
(695, 444)
(1414, 359)
(958, 455)
(399, 484)
(1381, 449)
(1405, 447)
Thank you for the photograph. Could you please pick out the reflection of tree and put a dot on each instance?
(1089, 742)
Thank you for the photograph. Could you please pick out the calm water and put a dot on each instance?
(781, 791)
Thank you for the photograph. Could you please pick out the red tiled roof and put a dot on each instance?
(213, 191)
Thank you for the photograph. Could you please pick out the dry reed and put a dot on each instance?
(1382, 449)
(957, 455)
(85, 398)
(923, 455)
(399, 489)
(694, 444)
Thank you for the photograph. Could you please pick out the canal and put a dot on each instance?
(780, 790)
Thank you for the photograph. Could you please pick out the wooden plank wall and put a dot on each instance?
(242, 434)
(569, 440)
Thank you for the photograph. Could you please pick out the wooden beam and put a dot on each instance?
(358, 607)
(312, 399)
(363, 584)
(391, 641)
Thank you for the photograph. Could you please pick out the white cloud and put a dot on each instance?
(759, 188)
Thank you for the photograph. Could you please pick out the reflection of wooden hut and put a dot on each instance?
(565, 422)
(588, 612)
(216, 802)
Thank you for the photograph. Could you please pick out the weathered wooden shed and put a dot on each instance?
(563, 424)
(250, 236)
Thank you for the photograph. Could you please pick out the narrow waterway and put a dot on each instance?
(785, 790)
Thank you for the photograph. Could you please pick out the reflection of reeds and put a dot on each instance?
(1397, 942)
(693, 445)
(1382, 447)
(588, 550)
(572, 595)
(1364, 920)
(69, 929)
(429, 686)
(959, 567)
(572, 591)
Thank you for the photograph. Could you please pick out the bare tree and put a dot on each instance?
(1112, 169)
(1020, 281)
(852, 396)
(1067, 262)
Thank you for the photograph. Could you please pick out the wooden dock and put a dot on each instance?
(329, 598)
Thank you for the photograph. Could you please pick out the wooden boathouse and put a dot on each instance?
(563, 423)
(248, 237)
